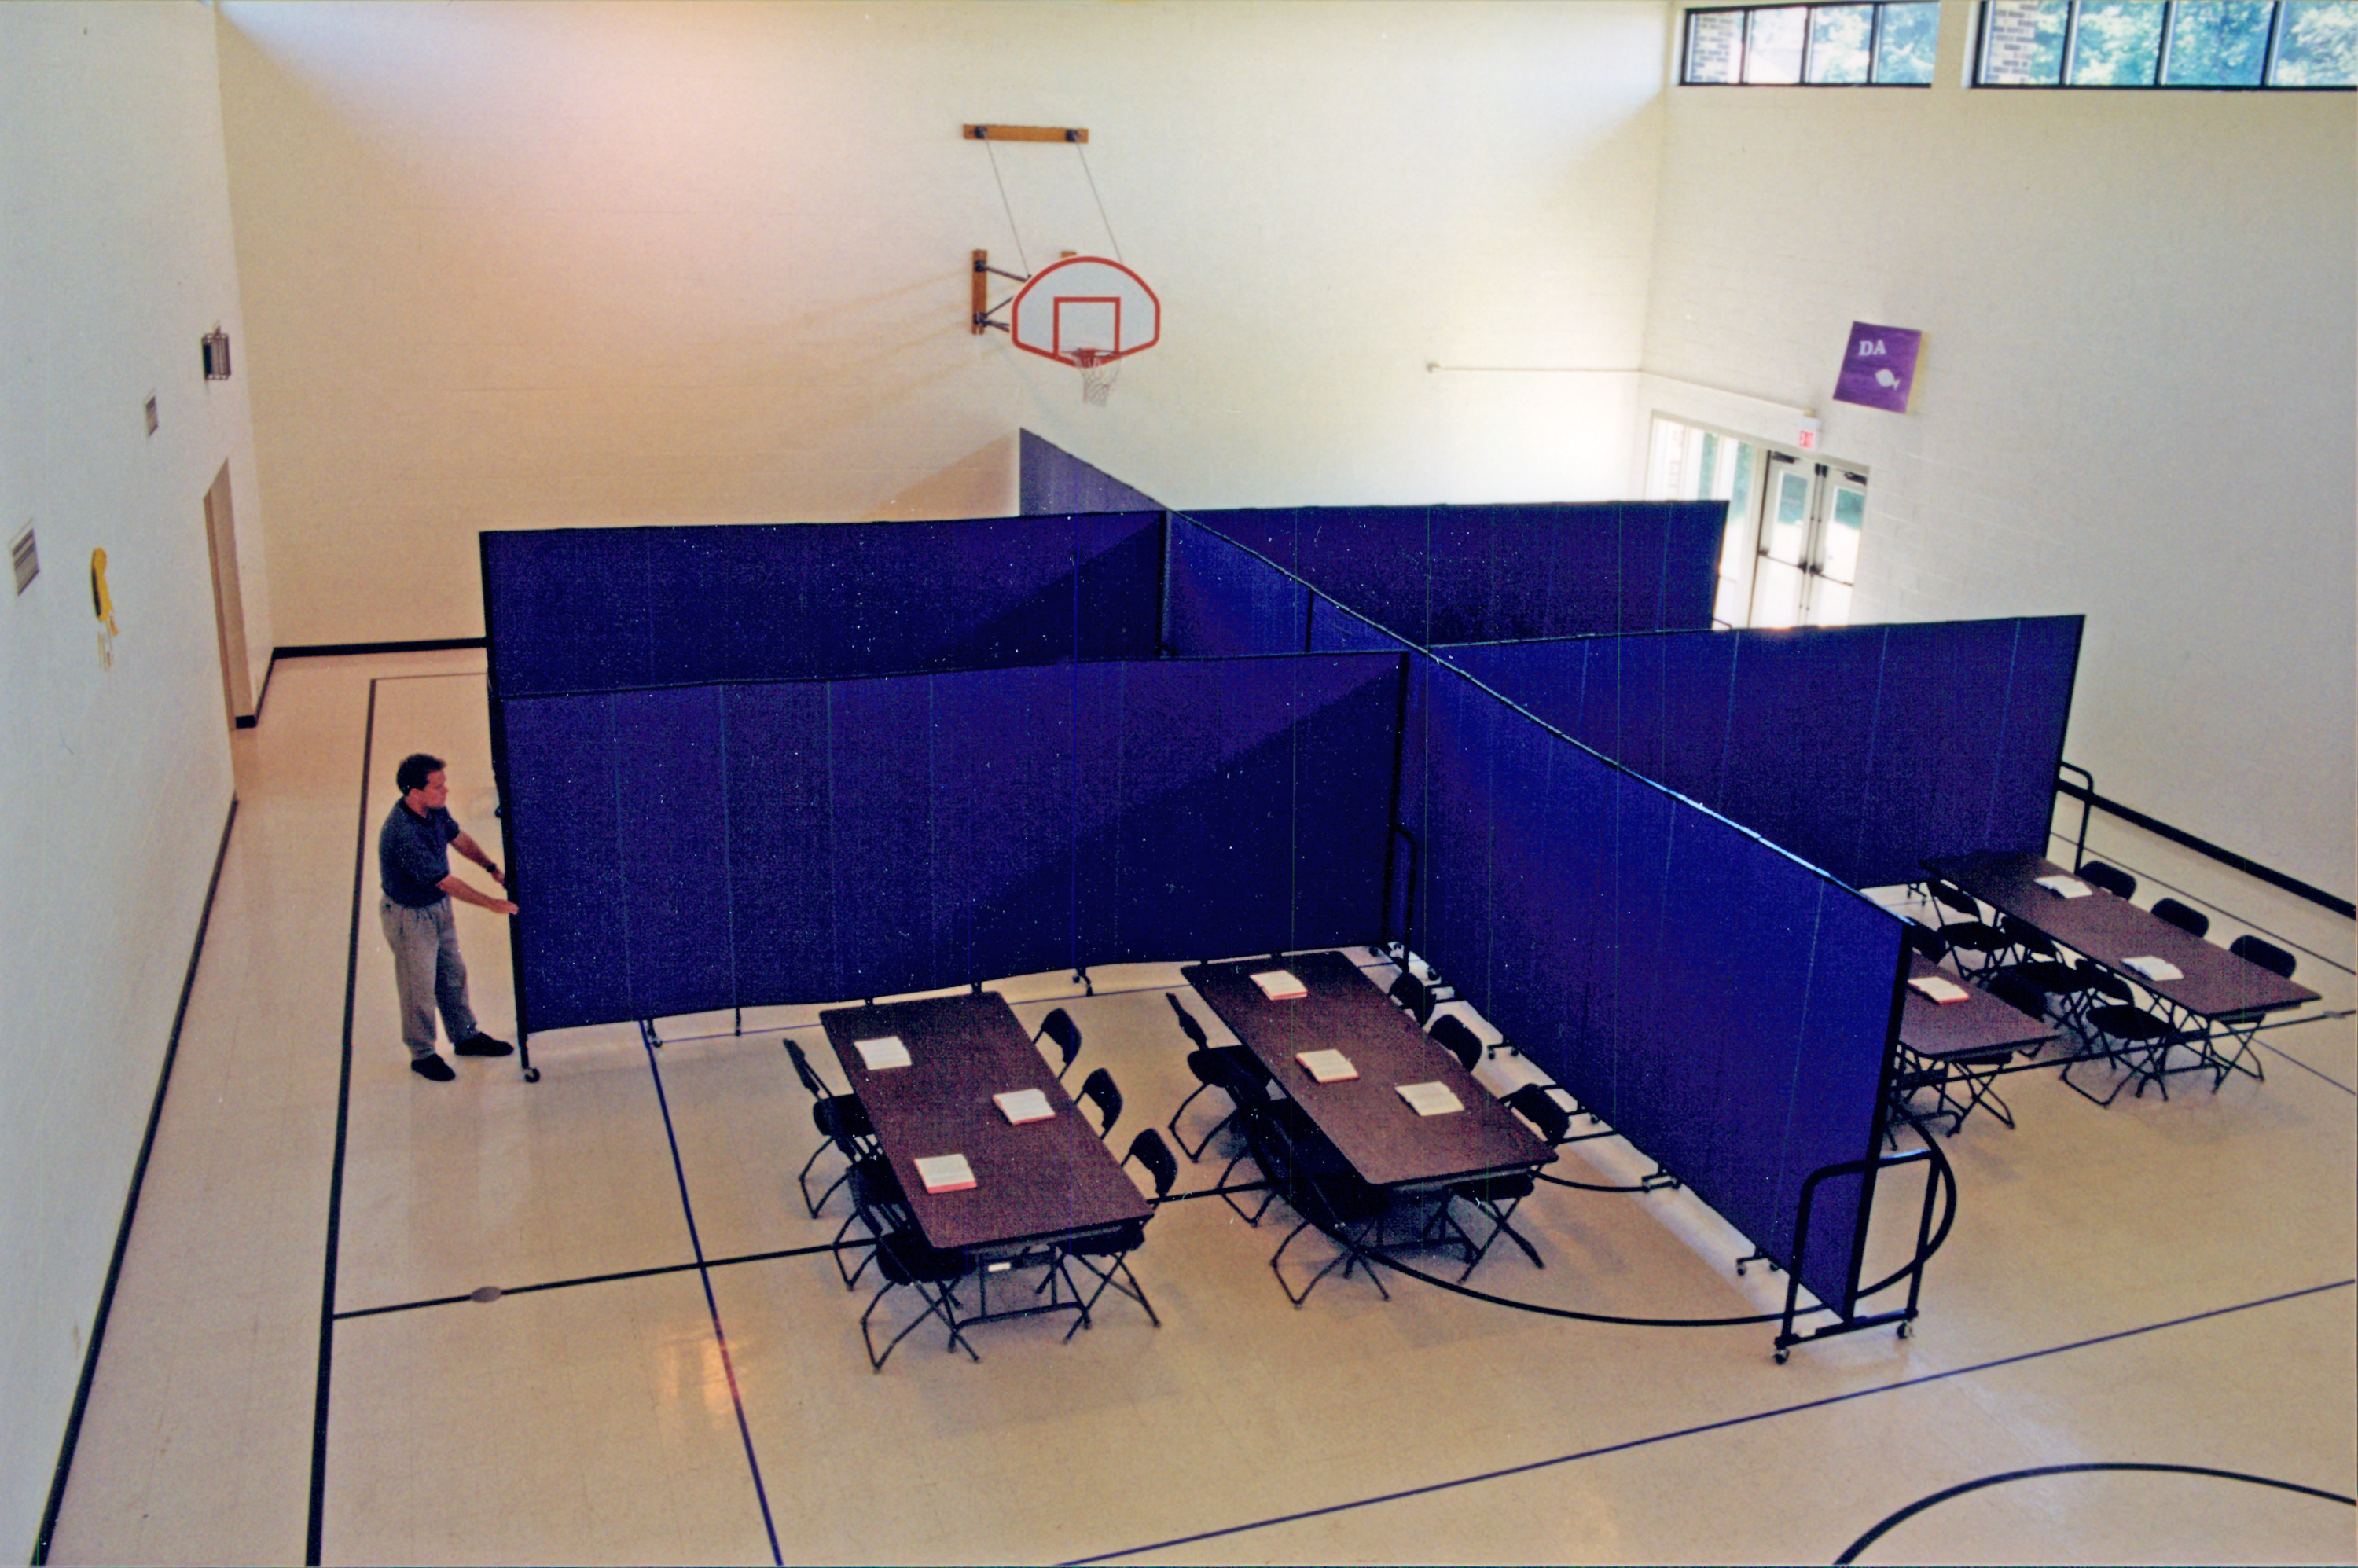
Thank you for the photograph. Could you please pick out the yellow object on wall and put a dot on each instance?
(102, 603)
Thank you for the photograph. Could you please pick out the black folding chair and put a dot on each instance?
(1414, 995)
(2243, 1028)
(1451, 1036)
(1116, 1245)
(2117, 1029)
(1059, 1027)
(1099, 1090)
(1974, 943)
(1498, 1197)
(908, 1263)
(1233, 1070)
(2186, 917)
(2117, 882)
(842, 1123)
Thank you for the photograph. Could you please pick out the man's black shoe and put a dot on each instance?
(482, 1045)
(433, 1068)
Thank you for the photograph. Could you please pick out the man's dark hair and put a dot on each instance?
(414, 768)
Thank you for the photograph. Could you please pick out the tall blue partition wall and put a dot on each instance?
(1725, 1007)
(1458, 574)
(574, 609)
(1863, 750)
(696, 848)
(1050, 479)
(1224, 601)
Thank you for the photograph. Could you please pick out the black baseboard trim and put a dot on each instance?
(2250, 868)
(328, 649)
(130, 1209)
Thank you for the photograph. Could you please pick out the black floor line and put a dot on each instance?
(2276, 1050)
(704, 1277)
(72, 1438)
(1921, 1504)
(315, 1525)
(1537, 1464)
(651, 1272)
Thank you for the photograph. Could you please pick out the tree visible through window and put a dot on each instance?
(2169, 43)
(1886, 44)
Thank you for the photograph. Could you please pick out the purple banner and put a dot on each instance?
(1879, 367)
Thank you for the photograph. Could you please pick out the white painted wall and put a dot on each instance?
(114, 260)
(2138, 398)
(529, 265)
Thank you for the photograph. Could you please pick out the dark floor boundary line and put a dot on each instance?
(1912, 1509)
(2276, 1050)
(335, 650)
(315, 1524)
(711, 1305)
(72, 1438)
(1538, 1464)
(2179, 835)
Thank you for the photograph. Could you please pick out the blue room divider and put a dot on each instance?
(610, 609)
(1050, 479)
(1459, 574)
(1863, 750)
(698, 848)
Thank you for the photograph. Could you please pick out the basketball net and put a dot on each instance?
(1096, 374)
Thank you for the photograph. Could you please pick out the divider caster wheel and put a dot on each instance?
(532, 1075)
(1907, 1331)
(1781, 1357)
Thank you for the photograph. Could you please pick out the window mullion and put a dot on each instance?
(2169, 40)
(2070, 42)
(1874, 46)
(2276, 34)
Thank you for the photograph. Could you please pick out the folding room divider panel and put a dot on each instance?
(609, 609)
(698, 848)
(1723, 1007)
(1863, 750)
(1050, 479)
(1459, 574)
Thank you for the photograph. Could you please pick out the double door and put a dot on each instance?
(1791, 553)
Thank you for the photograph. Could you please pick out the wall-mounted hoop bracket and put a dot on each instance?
(983, 310)
(1024, 133)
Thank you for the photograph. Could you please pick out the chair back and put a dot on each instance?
(1414, 995)
(1187, 1024)
(1543, 1111)
(2186, 917)
(1059, 1027)
(2018, 993)
(802, 1071)
(1955, 899)
(1451, 1036)
(2026, 938)
(1927, 941)
(2266, 955)
(1155, 1155)
(1099, 1090)
(2114, 880)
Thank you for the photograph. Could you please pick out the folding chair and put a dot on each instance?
(1414, 995)
(2118, 1030)
(1498, 1197)
(1059, 1027)
(2186, 917)
(908, 1263)
(2097, 874)
(2243, 1028)
(1233, 1070)
(1116, 1245)
(1974, 943)
(1451, 1036)
(1099, 1090)
(832, 1114)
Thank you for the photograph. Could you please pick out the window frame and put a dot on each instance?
(1809, 35)
(1978, 63)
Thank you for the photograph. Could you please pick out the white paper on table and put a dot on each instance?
(945, 1172)
(1430, 1099)
(2066, 887)
(1326, 1066)
(2154, 968)
(1280, 985)
(884, 1051)
(1021, 1105)
(1938, 989)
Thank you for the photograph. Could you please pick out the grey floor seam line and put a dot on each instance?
(1537, 1464)
(2277, 1050)
(619, 1277)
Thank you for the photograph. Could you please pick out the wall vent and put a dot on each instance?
(26, 556)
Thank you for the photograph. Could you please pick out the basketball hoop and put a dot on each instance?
(1098, 369)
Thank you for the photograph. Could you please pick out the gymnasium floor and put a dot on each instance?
(2160, 1283)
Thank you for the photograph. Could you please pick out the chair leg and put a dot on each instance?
(941, 1304)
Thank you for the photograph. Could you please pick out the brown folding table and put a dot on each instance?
(1965, 1043)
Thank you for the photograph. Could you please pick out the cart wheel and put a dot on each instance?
(1907, 1331)
(532, 1075)
(1781, 1355)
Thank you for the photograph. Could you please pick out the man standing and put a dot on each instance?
(414, 869)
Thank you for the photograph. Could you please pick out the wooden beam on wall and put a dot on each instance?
(1024, 134)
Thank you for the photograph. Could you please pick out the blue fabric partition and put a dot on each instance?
(699, 847)
(576, 610)
(1862, 750)
(1726, 1009)
(1226, 601)
(1049, 479)
(1456, 573)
